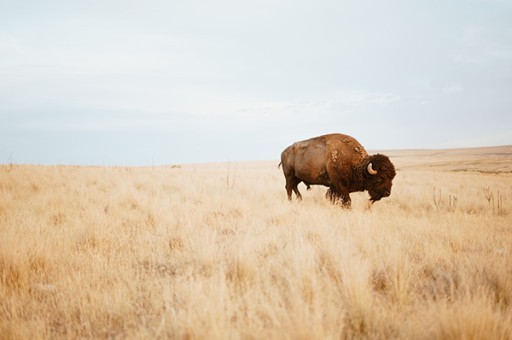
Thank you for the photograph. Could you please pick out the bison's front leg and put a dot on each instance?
(336, 195)
(331, 195)
(346, 202)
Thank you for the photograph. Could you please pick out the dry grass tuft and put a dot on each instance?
(217, 251)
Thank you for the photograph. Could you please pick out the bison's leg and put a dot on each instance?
(291, 185)
(289, 189)
(332, 195)
(296, 190)
(346, 202)
(339, 193)
(335, 196)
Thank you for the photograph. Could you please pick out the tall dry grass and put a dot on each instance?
(217, 252)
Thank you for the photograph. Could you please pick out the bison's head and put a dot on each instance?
(379, 174)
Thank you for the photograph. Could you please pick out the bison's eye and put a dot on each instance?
(379, 180)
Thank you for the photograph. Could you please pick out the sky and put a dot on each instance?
(169, 82)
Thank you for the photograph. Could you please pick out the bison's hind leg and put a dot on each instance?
(291, 185)
(297, 193)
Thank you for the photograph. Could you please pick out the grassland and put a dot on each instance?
(216, 251)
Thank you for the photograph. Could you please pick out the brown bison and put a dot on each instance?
(339, 162)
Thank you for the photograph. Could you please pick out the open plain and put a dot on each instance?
(216, 251)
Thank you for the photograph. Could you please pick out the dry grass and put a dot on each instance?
(210, 253)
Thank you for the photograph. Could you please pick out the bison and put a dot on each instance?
(339, 162)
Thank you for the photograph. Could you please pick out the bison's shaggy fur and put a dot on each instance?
(339, 162)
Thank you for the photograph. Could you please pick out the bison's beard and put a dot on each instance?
(375, 198)
(378, 192)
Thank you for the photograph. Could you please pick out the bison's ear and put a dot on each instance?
(371, 170)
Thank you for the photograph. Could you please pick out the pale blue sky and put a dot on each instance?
(163, 82)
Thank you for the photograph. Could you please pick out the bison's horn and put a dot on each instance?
(371, 170)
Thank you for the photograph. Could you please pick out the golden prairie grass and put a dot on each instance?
(216, 251)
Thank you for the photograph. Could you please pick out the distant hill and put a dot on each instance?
(496, 159)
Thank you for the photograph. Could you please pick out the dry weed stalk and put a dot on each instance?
(489, 196)
(9, 168)
(452, 203)
(500, 204)
(497, 205)
(437, 199)
(230, 184)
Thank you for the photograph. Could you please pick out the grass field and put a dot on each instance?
(215, 251)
